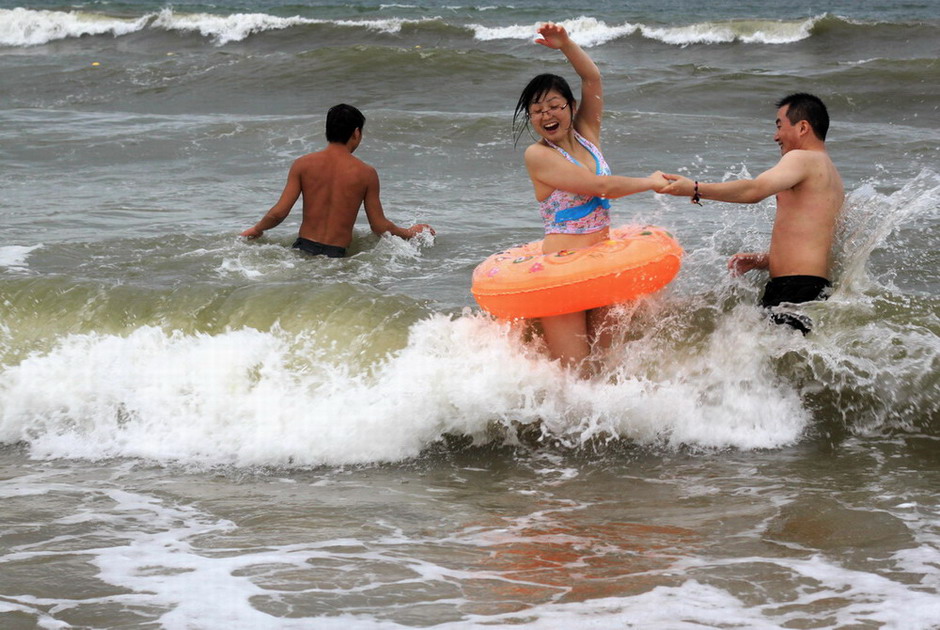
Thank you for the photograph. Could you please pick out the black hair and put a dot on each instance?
(803, 106)
(341, 121)
(533, 92)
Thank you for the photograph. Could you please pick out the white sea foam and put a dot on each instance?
(247, 397)
(14, 256)
(159, 560)
(588, 31)
(744, 31)
(224, 28)
(250, 397)
(869, 218)
(28, 27)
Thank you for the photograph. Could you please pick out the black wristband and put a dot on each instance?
(696, 197)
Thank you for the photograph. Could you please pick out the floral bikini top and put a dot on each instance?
(567, 213)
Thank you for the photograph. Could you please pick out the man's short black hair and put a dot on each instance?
(807, 107)
(341, 121)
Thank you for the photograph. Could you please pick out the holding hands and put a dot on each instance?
(659, 181)
(678, 186)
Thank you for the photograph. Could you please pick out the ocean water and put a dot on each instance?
(202, 432)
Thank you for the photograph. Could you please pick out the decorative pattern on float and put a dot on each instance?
(522, 282)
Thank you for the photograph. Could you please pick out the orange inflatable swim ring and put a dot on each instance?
(524, 282)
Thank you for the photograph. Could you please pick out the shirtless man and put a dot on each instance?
(334, 185)
(809, 194)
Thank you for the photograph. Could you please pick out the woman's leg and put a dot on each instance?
(567, 338)
(600, 327)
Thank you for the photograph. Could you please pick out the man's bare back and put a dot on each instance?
(334, 185)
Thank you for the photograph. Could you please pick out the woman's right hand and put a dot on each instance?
(659, 181)
(552, 35)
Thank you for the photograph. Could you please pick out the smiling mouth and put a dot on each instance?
(552, 126)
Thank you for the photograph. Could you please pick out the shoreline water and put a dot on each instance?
(197, 431)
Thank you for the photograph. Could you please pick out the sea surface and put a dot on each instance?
(200, 432)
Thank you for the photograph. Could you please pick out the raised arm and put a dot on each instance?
(379, 223)
(591, 105)
(279, 211)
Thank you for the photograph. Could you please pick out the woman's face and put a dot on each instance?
(551, 116)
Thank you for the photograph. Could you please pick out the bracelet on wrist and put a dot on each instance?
(696, 197)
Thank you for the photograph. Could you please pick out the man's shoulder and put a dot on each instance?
(309, 158)
(805, 156)
(803, 161)
(797, 155)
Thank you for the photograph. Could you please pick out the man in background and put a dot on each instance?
(334, 185)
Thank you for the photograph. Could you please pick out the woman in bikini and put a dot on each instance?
(572, 180)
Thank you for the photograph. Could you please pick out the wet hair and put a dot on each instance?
(341, 121)
(803, 106)
(537, 88)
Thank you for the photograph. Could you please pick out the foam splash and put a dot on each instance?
(590, 32)
(869, 218)
(14, 256)
(164, 558)
(29, 27)
(586, 31)
(223, 29)
(771, 32)
(704, 370)
(247, 397)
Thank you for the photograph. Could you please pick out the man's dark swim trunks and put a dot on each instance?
(318, 249)
(794, 290)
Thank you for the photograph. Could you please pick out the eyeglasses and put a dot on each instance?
(554, 109)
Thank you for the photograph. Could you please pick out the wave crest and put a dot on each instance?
(773, 32)
(27, 27)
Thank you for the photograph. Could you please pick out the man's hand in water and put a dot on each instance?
(251, 232)
(740, 264)
(416, 229)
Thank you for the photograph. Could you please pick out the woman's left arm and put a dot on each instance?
(591, 106)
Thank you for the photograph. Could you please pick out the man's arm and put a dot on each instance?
(379, 223)
(786, 174)
(279, 211)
